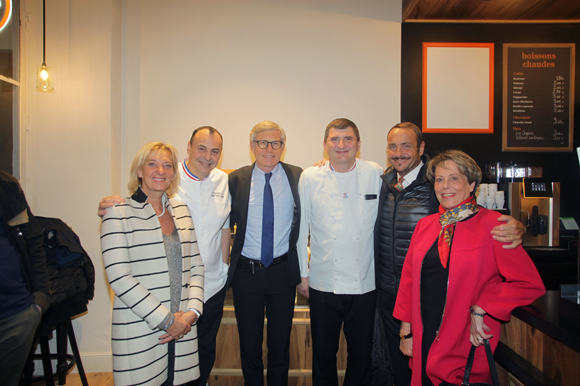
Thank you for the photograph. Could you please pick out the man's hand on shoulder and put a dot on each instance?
(511, 233)
(320, 163)
(108, 202)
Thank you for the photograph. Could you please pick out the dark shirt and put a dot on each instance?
(434, 280)
(14, 294)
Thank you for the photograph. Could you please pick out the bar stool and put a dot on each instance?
(58, 318)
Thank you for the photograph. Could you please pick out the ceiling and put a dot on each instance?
(491, 10)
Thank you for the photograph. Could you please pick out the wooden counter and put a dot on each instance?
(546, 334)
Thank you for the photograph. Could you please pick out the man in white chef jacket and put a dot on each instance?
(339, 207)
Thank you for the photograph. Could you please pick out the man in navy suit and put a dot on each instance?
(264, 268)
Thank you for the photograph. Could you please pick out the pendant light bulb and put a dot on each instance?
(44, 79)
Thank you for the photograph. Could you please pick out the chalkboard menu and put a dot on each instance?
(538, 97)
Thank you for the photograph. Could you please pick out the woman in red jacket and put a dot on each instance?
(457, 282)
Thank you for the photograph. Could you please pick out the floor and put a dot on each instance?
(93, 379)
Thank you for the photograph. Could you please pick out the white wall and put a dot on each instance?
(131, 71)
(68, 138)
(232, 64)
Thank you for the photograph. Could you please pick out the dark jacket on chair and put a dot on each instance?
(70, 268)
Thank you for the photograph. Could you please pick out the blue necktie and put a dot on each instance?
(267, 224)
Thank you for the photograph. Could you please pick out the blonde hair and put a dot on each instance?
(139, 161)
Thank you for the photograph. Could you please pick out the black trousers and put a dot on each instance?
(328, 313)
(264, 288)
(207, 329)
(16, 338)
(391, 340)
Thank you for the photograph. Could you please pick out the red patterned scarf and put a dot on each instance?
(447, 220)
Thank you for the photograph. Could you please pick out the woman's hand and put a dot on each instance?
(478, 329)
(178, 329)
(406, 345)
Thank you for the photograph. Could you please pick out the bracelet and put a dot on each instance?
(404, 337)
(475, 313)
(170, 322)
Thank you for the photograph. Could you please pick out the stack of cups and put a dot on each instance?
(489, 197)
(499, 199)
(481, 194)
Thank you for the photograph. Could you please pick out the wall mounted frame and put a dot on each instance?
(458, 88)
(538, 97)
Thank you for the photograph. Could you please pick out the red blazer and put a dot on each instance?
(480, 272)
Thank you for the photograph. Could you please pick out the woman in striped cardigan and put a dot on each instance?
(153, 265)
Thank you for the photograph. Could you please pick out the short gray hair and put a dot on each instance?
(466, 165)
(267, 125)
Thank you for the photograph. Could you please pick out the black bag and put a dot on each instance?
(492, 369)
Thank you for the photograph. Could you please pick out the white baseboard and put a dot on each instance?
(96, 363)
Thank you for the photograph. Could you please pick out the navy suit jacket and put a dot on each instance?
(240, 182)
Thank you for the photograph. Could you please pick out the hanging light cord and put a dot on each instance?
(43, 34)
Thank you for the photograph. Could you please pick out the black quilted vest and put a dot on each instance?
(399, 212)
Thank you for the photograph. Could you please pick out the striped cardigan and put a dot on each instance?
(136, 266)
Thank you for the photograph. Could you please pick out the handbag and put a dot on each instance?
(469, 365)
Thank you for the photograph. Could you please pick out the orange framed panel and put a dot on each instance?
(458, 87)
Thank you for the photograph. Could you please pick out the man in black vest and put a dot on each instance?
(264, 268)
(406, 197)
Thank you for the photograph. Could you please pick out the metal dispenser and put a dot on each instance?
(536, 203)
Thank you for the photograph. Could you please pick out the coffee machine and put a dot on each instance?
(536, 203)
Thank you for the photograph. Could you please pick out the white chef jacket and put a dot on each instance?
(209, 203)
(332, 267)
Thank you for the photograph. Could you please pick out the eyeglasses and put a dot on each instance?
(264, 144)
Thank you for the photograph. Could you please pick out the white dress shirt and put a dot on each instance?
(283, 213)
(209, 203)
(411, 176)
(341, 225)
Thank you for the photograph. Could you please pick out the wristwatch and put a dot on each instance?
(408, 336)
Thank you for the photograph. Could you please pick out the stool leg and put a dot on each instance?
(46, 363)
(75, 349)
(61, 351)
